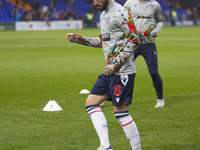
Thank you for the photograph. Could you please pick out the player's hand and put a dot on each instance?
(108, 70)
(70, 36)
(140, 34)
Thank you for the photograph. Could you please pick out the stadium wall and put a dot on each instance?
(64, 25)
(7, 26)
(182, 23)
(42, 25)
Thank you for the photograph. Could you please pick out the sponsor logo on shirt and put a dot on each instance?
(105, 36)
(144, 17)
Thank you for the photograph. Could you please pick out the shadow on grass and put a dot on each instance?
(174, 100)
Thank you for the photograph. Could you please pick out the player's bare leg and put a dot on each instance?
(95, 99)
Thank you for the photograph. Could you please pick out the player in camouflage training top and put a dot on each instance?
(147, 17)
(119, 40)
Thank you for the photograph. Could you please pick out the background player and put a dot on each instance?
(147, 17)
(118, 39)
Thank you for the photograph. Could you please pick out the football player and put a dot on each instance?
(147, 17)
(119, 39)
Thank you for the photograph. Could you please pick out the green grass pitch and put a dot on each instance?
(39, 66)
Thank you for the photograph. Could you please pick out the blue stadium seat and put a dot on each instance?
(81, 6)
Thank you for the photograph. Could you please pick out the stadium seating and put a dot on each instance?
(5, 11)
(81, 6)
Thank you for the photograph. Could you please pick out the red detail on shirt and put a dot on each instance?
(126, 58)
(101, 41)
(145, 34)
(108, 61)
(132, 27)
(134, 41)
(79, 38)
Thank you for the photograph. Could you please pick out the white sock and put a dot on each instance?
(100, 124)
(130, 129)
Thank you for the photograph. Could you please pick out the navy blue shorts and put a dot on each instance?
(118, 87)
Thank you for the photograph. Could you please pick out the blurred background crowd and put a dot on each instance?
(48, 10)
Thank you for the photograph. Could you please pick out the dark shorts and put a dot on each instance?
(119, 88)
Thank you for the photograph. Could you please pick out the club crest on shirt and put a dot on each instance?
(152, 7)
(135, 5)
(108, 20)
(124, 79)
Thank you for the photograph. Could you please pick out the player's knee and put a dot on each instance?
(91, 100)
(121, 108)
(154, 74)
(87, 103)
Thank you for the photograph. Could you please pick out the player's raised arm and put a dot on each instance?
(88, 41)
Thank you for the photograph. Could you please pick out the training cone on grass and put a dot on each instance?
(84, 91)
(52, 106)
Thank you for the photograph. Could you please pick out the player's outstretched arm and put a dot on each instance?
(88, 41)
